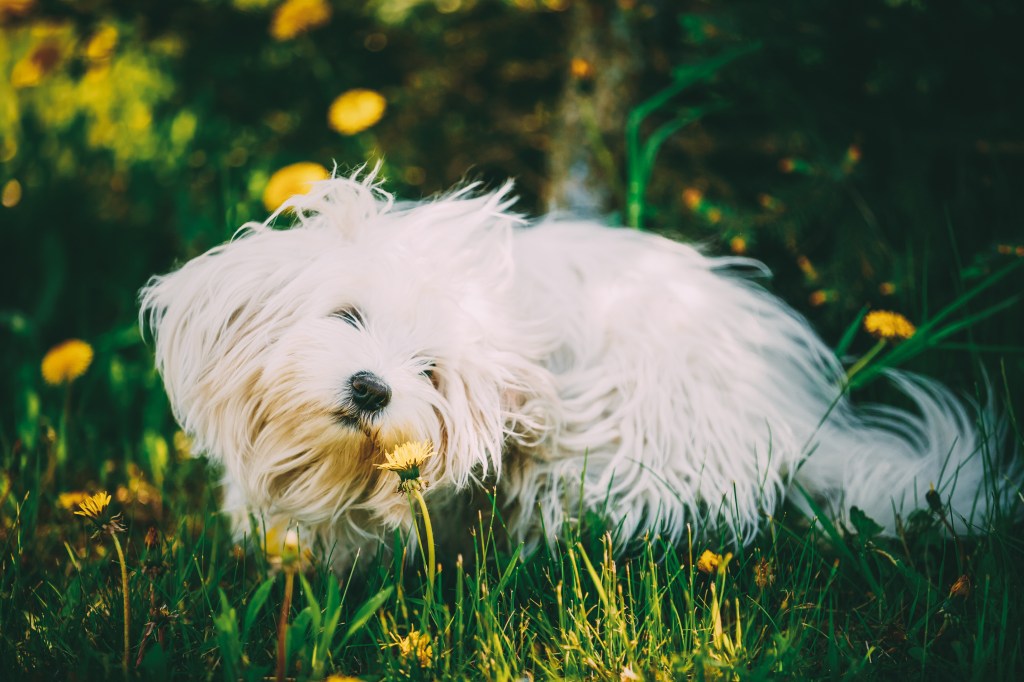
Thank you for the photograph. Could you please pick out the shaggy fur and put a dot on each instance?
(541, 357)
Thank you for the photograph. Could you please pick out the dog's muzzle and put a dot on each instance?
(369, 392)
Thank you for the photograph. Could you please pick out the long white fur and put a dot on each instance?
(673, 389)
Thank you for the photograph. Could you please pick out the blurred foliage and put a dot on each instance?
(869, 152)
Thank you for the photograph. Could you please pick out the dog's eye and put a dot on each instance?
(428, 372)
(349, 314)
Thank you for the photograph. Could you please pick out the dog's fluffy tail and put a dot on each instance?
(884, 460)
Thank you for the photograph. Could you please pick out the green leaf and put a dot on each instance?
(298, 632)
(507, 575)
(314, 605)
(259, 598)
(850, 334)
(364, 614)
(864, 525)
(331, 616)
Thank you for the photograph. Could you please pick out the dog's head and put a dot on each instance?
(297, 357)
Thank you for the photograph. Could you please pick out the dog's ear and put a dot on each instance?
(211, 318)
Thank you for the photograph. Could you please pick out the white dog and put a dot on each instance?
(564, 362)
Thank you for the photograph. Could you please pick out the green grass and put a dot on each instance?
(804, 602)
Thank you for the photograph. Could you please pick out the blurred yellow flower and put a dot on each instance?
(31, 68)
(10, 196)
(356, 110)
(182, 445)
(738, 245)
(807, 267)
(71, 499)
(693, 198)
(281, 547)
(708, 561)
(25, 74)
(297, 178)
(66, 362)
(415, 648)
(581, 68)
(884, 324)
(769, 202)
(821, 297)
(92, 506)
(295, 17)
(102, 43)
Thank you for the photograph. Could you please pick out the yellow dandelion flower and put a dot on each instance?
(884, 324)
(886, 288)
(714, 215)
(285, 183)
(692, 198)
(767, 201)
(282, 549)
(342, 678)
(182, 445)
(102, 43)
(821, 297)
(581, 68)
(709, 562)
(31, 69)
(10, 196)
(738, 245)
(26, 73)
(66, 362)
(295, 17)
(92, 506)
(415, 647)
(353, 111)
(807, 267)
(406, 459)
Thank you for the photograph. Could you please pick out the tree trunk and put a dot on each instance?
(585, 159)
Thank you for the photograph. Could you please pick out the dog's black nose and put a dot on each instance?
(369, 392)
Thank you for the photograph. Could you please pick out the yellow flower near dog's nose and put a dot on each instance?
(356, 110)
(66, 361)
(883, 324)
(406, 459)
(291, 180)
